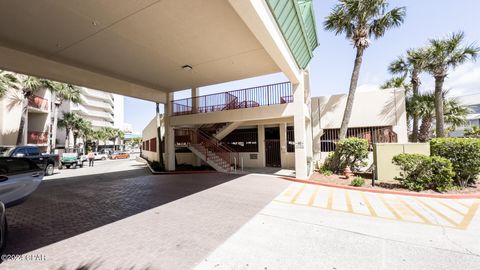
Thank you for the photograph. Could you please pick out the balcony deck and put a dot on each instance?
(266, 95)
(38, 103)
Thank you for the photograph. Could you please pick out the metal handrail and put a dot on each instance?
(265, 95)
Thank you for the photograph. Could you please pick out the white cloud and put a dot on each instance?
(464, 80)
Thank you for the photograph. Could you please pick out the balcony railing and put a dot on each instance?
(265, 95)
(36, 137)
(38, 103)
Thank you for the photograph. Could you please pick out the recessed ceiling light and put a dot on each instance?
(187, 67)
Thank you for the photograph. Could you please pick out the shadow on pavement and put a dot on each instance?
(62, 208)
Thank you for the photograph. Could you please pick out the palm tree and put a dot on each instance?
(99, 135)
(473, 132)
(81, 128)
(109, 134)
(7, 81)
(397, 82)
(62, 92)
(444, 54)
(69, 122)
(29, 85)
(424, 105)
(360, 20)
(411, 65)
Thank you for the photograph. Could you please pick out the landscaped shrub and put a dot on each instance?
(357, 182)
(464, 153)
(419, 172)
(350, 152)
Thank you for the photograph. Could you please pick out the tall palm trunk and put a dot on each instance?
(424, 134)
(23, 128)
(67, 139)
(55, 126)
(415, 85)
(439, 117)
(351, 93)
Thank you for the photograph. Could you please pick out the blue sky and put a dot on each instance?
(331, 67)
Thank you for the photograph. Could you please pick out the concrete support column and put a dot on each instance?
(169, 136)
(195, 101)
(195, 92)
(261, 144)
(300, 130)
(283, 144)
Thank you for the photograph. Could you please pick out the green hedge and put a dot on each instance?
(463, 153)
(420, 172)
(350, 152)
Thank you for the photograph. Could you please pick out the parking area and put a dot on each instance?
(129, 218)
(121, 216)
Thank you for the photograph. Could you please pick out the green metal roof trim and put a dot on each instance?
(296, 20)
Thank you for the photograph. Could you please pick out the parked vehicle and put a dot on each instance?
(3, 228)
(45, 161)
(120, 155)
(72, 160)
(19, 177)
(100, 156)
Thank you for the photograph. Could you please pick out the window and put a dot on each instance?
(290, 140)
(243, 140)
(33, 151)
(147, 148)
(153, 144)
(20, 152)
(16, 166)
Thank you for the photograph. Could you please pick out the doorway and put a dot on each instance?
(272, 147)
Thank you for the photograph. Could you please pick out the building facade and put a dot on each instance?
(473, 117)
(38, 118)
(261, 127)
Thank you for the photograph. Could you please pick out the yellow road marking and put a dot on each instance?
(314, 196)
(369, 206)
(389, 207)
(437, 212)
(289, 191)
(298, 194)
(451, 208)
(349, 201)
(330, 199)
(469, 215)
(414, 211)
(462, 204)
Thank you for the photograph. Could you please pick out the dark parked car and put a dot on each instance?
(46, 162)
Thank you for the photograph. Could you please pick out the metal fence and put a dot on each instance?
(329, 139)
(265, 95)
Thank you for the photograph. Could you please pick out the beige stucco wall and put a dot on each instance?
(384, 153)
(375, 108)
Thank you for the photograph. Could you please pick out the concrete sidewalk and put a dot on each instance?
(312, 227)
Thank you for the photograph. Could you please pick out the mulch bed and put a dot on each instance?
(383, 185)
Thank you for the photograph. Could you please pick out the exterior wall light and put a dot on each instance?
(187, 67)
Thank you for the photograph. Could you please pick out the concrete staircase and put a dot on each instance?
(210, 158)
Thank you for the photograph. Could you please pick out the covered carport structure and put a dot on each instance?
(149, 49)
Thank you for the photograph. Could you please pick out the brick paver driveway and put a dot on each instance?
(131, 218)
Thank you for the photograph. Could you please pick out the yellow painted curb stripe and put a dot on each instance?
(451, 208)
(389, 207)
(349, 201)
(437, 212)
(469, 215)
(314, 196)
(369, 205)
(330, 199)
(298, 194)
(414, 211)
